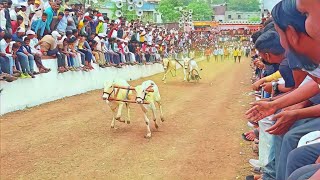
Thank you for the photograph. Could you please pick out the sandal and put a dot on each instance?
(249, 136)
(251, 177)
(257, 170)
(244, 137)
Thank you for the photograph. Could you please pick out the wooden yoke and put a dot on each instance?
(130, 88)
(127, 88)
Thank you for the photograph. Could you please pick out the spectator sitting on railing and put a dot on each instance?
(6, 59)
(36, 52)
(25, 59)
(86, 52)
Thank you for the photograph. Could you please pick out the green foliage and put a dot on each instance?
(243, 5)
(254, 19)
(126, 13)
(201, 10)
(166, 7)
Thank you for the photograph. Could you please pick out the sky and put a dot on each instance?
(269, 4)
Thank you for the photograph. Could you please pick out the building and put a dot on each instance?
(221, 14)
(237, 15)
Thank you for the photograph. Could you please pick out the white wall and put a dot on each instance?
(48, 87)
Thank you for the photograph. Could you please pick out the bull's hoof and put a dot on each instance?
(147, 136)
(119, 119)
(162, 119)
(112, 127)
(156, 126)
(128, 122)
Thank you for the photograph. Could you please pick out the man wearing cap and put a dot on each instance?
(18, 36)
(48, 44)
(38, 10)
(14, 11)
(22, 13)
(98, 49)
(99, 28)
(36, 52)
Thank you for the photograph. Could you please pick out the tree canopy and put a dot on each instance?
(202, 9)
(243, 5)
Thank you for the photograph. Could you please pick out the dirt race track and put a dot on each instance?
(200, 138)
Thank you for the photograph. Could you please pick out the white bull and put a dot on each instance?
(189, 65)
(169, 65)
(109, 93)
(144, 95)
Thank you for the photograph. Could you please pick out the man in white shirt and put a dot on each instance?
(13, 12)
(6, 55)
(149, 38)
(3, 20)
(23, 13)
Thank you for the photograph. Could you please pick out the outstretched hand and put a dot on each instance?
(260, 110)
(284, 122)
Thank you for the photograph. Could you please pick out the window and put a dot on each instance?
(229, 16)
(239, 16)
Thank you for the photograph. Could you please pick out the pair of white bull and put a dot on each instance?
(170, 65)
(148, 91)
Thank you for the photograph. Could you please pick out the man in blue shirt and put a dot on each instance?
(50, 13)
(63, 23)
(38, 26)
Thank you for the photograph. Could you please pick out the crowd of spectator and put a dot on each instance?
(286, 116)
(77, 37)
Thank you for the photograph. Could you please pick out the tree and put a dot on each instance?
(243, 5)
(254, 19)
(168, 11)
(202, 10)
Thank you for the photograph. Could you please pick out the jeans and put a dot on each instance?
(285, 144)
(87, 55)
(61, 60)
(26, 62)
(107, 57)
(55, 52)
(6, 64)
(266, 149)
(83, 57)
(302, 156)
(138, 59)
(304, 172)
